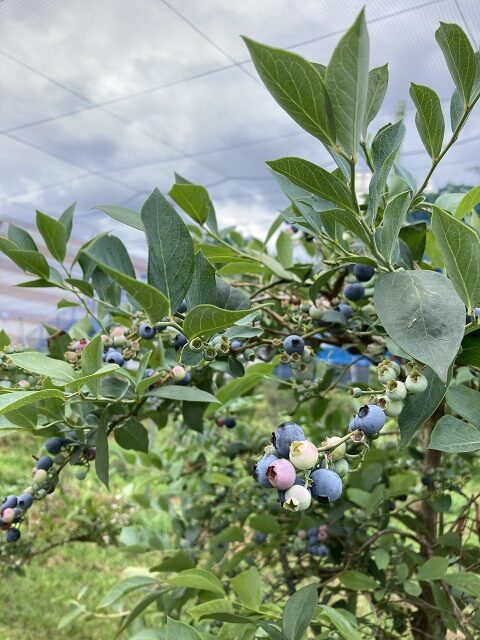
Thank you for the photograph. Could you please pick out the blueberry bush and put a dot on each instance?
(338, 357)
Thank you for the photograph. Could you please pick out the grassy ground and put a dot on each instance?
(35, 599)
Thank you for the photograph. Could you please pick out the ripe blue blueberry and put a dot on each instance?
(236, 344)
(146, 332)
(326, 485)
(345, 309)
(9, 503)
(354, 291)
(54, 445)
(45, 462)
(363, 272)
(114, 357)
(284, 435)
(320, 550)
(230, 423)
(182, 308)
(260, 470)
(260, 538)
(369, 419)
(12, 535)
(179, 341)
(293, 344)
(25, 501)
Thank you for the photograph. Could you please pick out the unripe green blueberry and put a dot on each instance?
(356, 392)
(303, 454)
(249, 355)
(39, 476)
(315, 313)
(196, 344)
(297, 498)
(386, 373)
(396, 366)
(341, 467)
(339, 451)
(416, 382)
(23, 384)
(81, 474)
(119, 341)
(41, 494)
(394, 408)
(396, 390)
(308, 354)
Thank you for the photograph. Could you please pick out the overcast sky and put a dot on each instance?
(102, 100)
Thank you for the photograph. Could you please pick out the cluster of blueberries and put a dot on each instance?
(229, 422)
(291, 453)
(355, 291)
(315, 538)
(44, 481)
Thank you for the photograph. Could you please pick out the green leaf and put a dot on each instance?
(193, 199)
(266, 523)
(299, 611)
(61, 373)
(315, 180)
(464, 581)
(123, 215)
(4, 339)
(357, 581)
(465, 402)
(470, 354)
(197, 579)
(415, 236)
(107, 253)
(433, 569)
(456, 109)
(66, 218)
(29, 261)
(123, 587)
(322, 280)
(297, 86)
(219, 609)
(385, 147)
(377, 88)
(177, 630)
(248, 587)
(340, 622)
(101, 455)
(170, 249)
(393, 219)
(92, 362)
(417, 408)
(454, 436)
(203, 287)
(228, 297)
(274, 266)
(347, 220)
(347, 84)
(14, 400)
(429, 118)
(460, 249)
(468, 202)
(185, 394)
(284, 247)
(407, 303)
(132, 435)
(206, 319)
(459, 56)
(21, 238)
(54, 234)
(381, 558)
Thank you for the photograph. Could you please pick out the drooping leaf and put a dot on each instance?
(460, 249)
(347, 84)
(29, 261)
(459, 56)
(123, 215)
(314, 179)
(385, 147)
(61, 373)
(297, 86)
(170, 249)
(429, 118)
(407, 303)
(21, 238)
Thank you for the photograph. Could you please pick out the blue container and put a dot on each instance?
(339, 359)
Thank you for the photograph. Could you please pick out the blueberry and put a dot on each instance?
(236, 344)
(281, 474)
(45, 462)
(345, 309)
(54, 445)
(293, 344)
(230, 423)
(369, 419)
(220, 422)
(297, 498)
(363, 272)
(260, 470)
(25, 501)
(12, 535)
(326, 485)
(284, 435)
(179, 341)
(260, 538)
(281, 492)
(427, 481)
(320, 550)
(186, 380)
(312, 532)
(182, 308)
(354, 291)
(114, 357)
(9, 503)
(146, 332)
